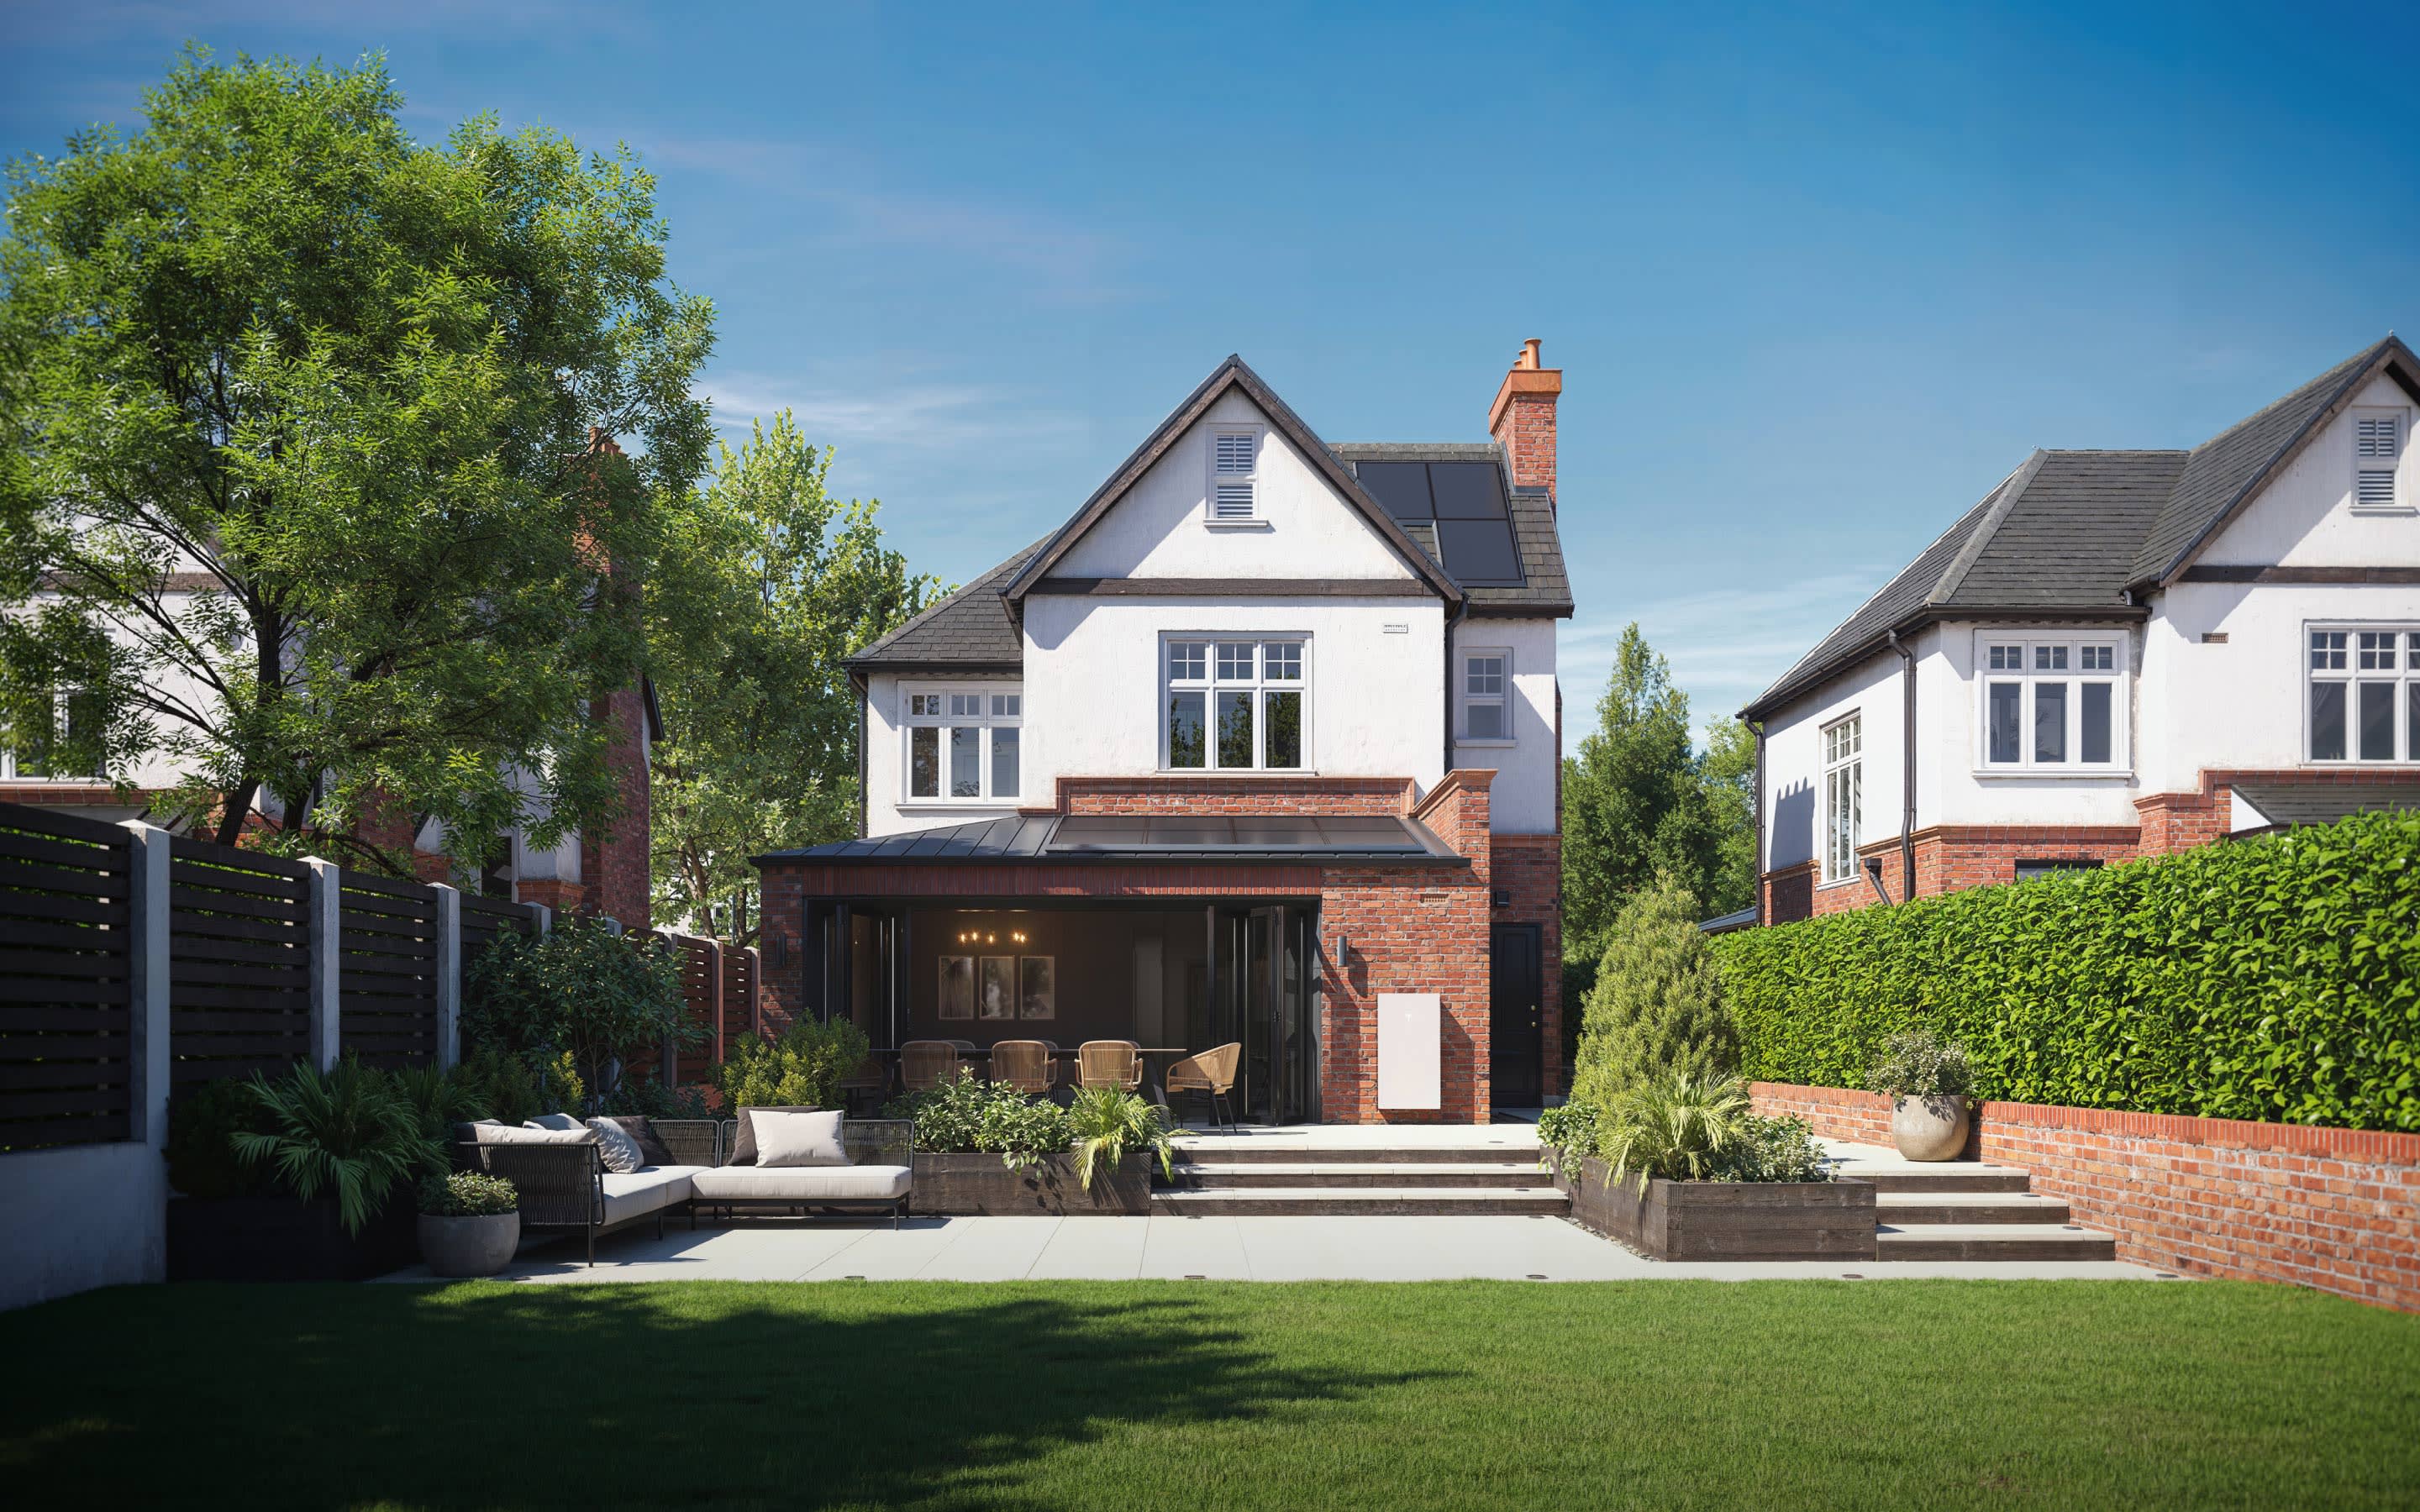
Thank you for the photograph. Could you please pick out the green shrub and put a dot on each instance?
(1570, 1130)
(469, 1194)
(349, 1133)
(203, 1120)
(966, 1115)
(1676, 1128)
(1772, 1150)
(1105, 1120)
(1657, 1009)
(1920, 1063)
(2273, 978)
(801, 1069)
(579, 1001)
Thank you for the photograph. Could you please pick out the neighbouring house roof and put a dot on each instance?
(969, 630)
(2285, 805)
(1193, 839)
(1545, 586)
(2067, 535)
(1725, 923)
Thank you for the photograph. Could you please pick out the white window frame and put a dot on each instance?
(1219, 458)
(2072, 658)
(59, 711)
(1217, 676)
(1468, 698)
(996, 706)
(2400, 674)
(2398, 499)
(1843, 749)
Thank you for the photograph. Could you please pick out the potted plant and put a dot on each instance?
(470, 1224)
(1927, 1079)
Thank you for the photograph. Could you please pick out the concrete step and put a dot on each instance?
(1220, 1175)
(1328, 1201)
(1247, 1152)
(1947, 1176)
(1992, 1242)
(1902, 1209)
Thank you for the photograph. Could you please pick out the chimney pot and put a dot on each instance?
(1529, 357)
(1522, 420)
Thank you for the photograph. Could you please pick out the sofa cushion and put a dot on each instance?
(743, 1142)
(555, 1120)
(801, 1184)
(640, 1192)
(507, 1133)
(616, 1147)
(652, 1148)
(785, 1139)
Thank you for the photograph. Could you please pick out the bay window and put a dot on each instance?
(2053, 704)
(963, 743)
(2364, 694)
(1231, 704)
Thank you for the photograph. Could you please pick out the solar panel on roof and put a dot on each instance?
(1402, 486)
(1466, 491)
(1479, 552)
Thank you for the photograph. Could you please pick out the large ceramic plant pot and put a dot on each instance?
(469, 1246)
(1929, 1128)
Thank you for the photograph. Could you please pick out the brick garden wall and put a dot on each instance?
(2336, 1209)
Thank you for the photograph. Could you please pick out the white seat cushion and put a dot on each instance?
(800, 1183)
(506, 1134)
(642, 1191)
(555, 1120)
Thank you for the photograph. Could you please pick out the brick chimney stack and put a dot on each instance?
(1522, 419)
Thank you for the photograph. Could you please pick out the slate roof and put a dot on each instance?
(969, 630)
(2068, 533)
(1548, 587)
(1260, 839)
(2285, 805)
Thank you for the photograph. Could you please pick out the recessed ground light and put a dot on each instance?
(852, 1278)
(1535, 1277)
(2166, 1275)
(2074, 1227)
(1852, 1275)
(1197, 1278)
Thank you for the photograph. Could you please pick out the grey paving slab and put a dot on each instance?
(1092, 1249)
(1209, 1247)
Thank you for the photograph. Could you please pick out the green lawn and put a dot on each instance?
(1191, 1396)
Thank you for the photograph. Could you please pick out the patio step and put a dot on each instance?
(1231, 1175)
(1993, 1241)
(1946, 1176)
(1367, 1201)
(1902, 1209)
(1244, 1151)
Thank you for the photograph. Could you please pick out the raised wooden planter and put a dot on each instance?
(978, 1185)
(281, 1239)
(1726, 1220)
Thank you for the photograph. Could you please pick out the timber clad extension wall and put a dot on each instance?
(2336, 1209)
(66, 1007)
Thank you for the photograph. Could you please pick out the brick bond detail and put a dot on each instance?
(2336, 1209)
(1410, 928)
(1949, 858)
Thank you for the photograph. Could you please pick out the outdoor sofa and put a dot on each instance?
(565, 1185)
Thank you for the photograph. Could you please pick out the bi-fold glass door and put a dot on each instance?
(1265, 975)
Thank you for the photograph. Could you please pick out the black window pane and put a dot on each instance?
(2001, 722)
(2050, 721)
(1235, 729)
(2411, 721)
(1285, 728)
(1479, 552)
(1402, 486)
(924, 762)
(2377, 721)
(1466, 491)
(2327, 721)
(1186, 745)
(966, 761)
(2096, 722)
(1003, 761)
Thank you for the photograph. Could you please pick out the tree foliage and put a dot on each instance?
(299, 458)
(581, 993)
(1656, 1008)
(767, 585)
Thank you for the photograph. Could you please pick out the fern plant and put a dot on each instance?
(347, 1132)
(1106, 1121)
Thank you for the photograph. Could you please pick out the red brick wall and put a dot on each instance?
(2336, 1209)
(1530, 868)
(614, 867)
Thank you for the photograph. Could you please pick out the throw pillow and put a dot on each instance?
(505, 1134)
(796, 1139)
(651, 1144)
(617, 1150)
(555, 1120)
(743, 1142)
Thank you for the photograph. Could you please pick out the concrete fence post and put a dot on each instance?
(449, 977)
(545, 918)
(327, 934)
(147, 1047)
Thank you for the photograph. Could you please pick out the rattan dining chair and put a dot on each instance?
(1024, 1064)
(1213, 1073)
(925, 1064)
(1110, 1063)
(870, 1080)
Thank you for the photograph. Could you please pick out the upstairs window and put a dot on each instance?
(2055, 706)
(2363, 698)
(1844, 780)
(1486, 684)
(1235, 476)
(2376, 451)
(964, 744)
(76, 716)
(1232, 704)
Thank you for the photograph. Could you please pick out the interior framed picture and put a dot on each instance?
(1039, 981)
(996, 989)
(957, 986)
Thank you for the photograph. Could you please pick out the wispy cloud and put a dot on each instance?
(1726, 645)
(930, 416)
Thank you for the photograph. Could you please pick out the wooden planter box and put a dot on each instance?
(978, 1185)
(281, 1239)
(1726, 1220)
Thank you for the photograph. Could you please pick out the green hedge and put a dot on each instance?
(2276, 979)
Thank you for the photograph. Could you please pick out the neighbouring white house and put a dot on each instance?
(2118, 654)
(1266, 731)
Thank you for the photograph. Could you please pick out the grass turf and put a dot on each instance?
(1198, 1395)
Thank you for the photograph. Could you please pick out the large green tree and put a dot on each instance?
(772, 584)
(1727, 773)
(299, 486)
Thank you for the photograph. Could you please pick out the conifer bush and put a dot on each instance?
(1657, 1009)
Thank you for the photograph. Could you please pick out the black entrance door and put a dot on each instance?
(1264, 965)
(1516, 1044)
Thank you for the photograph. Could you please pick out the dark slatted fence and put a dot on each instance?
(66, 979)
(485, 920)
(239, 961)
(386, 981)
(742, 976)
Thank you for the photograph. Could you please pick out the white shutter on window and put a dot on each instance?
(1236, 454)
(2379, 436)
(1231, 459)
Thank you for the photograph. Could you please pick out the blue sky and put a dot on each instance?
(1818, 278)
